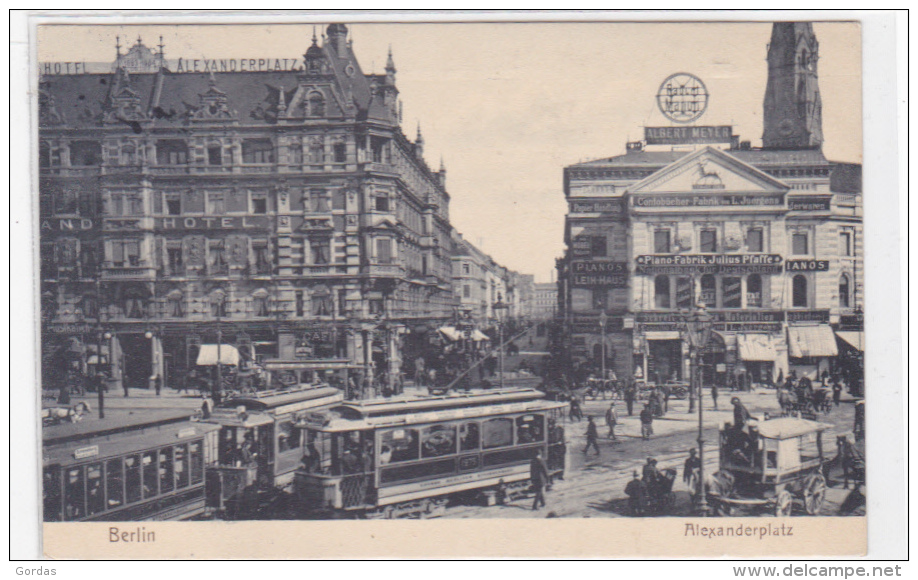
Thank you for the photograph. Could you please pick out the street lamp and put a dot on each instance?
(698, 330)
(603, 319)
(500, 307)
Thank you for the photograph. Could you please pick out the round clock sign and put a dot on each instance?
(682, 98)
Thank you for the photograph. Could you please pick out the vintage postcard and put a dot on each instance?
(538, 284)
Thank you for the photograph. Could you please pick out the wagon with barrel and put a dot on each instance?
(772, 466)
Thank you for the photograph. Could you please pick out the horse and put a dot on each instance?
(716, 485)
(787, 400)
(74, 414)
(849, 459)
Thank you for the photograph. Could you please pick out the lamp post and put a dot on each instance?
(603, 319)
(499, 308)
(698, 331)
(218, 390)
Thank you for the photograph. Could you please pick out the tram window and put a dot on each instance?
(402, 444)
(266, 443)
(51, 493)
(530, 428)
(469, 437)
(114, 483)
(132, 477)
(497, 433)
(74, 494)
(95, 500)
(196, 461)
(555, 431)
(438, 440)
(228, 446)
(166, 470)
(288, 437)
(181, 466)
(150, 477)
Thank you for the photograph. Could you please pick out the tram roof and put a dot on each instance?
(272, 399)
(115, 421)
(113, 444)
(338, 419)
(453, 399)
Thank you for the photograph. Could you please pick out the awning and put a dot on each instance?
(479, 336)
(450, 333)
(806, 341)
(855, 339)
(207, 356)
(662, 335)
(756, 347)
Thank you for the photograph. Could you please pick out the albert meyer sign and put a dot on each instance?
(688, 135)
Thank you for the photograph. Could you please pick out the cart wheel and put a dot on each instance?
(814, 493)
(723, 509)
(784, 504)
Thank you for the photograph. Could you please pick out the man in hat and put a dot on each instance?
(539, 478)
(612, 420)
(592, 436)
(690, 470)
(635, 492)
(646, 421)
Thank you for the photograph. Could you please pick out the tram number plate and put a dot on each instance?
(469, 462)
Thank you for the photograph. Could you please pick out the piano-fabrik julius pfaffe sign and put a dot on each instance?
(709, 264)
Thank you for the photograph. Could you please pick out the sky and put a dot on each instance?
(508, 105)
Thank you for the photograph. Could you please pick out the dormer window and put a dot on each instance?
(315, 104)
(257, 151)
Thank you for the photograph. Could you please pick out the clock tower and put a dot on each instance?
(793, 108)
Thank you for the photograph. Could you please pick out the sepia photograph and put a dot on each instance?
(359, 270)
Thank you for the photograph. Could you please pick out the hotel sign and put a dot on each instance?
(213, 223)
(589, 274)
(709, 264)
(604, 206)
(696, 201)
(807, 266)
(688, 135)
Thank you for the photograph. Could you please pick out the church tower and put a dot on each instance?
(793, 108)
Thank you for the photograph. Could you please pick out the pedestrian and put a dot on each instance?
(646, 421)
(206, 407)
(157, 384)
(836, 391)
(538, 478)
(612, 421)
(635, 492)
(124, 385)
(630, 393)
(592, 436)
(714, 394)
(665, 392)
(576, 412)
(64, 397)
(741, 415)
(859, 416)
(690, 470)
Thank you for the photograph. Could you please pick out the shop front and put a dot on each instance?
(812, 349)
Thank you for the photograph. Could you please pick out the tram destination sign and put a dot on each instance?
(709, 264)
(591, 274)
(688, 135)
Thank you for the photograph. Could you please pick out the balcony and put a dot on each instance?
(170, 169)
(123, 272)
(386, 270)
(127, 224)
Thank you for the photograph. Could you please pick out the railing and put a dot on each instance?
(111, 271)
(386, 270)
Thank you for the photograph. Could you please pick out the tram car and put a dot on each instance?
(127, 469)
(404, 456)
(260, 443)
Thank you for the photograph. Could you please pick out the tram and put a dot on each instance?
(405, 456)
(125, 469)
(260, 442)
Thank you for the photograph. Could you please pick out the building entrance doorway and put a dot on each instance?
(137, 360)
(664, 361)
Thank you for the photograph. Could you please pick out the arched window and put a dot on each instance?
(661, 292)
(260, 302)
(218, 303)
(799, 291)
(754, 291)
(709, 290)
(316, 104)
(844, 292)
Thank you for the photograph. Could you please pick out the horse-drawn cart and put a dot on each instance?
(768, 467)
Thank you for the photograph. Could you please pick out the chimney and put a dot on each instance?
(337, 38)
